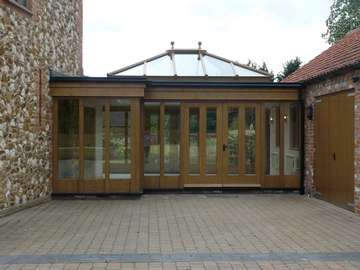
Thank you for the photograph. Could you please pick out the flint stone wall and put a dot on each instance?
(50, 37)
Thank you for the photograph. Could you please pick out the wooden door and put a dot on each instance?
(202, 145)
(241, 145)
(334, 159)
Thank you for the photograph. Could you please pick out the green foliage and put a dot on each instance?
(344, 17)
(288, 68)
(262, 67)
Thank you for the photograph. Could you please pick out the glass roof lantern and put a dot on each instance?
(188, 63)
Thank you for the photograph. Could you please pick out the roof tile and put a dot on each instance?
(344, 53)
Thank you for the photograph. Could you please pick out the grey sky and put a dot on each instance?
(118, 33)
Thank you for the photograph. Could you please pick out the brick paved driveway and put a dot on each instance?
(197, 232)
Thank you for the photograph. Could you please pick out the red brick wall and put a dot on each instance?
(326, 86)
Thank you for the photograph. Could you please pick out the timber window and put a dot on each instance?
(94, 139)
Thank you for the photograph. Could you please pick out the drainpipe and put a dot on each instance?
(302, 154)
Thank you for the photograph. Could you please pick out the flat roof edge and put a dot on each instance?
(171, 83)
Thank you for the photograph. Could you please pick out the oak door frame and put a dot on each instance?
(242, 179)
(202, 179)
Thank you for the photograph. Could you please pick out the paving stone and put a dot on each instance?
(183, 232)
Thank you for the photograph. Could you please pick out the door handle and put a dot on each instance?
(334, 156)
(224, 147)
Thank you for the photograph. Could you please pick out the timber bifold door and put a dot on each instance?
(222, 145)
(334, 153)
(97, 145)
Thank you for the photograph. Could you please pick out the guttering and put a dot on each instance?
(190, 84)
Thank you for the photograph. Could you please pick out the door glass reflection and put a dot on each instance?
(250, 140)
(152, 138)
(272, 135)
(94, 112)
(172, 138)
(68, 147)
(292, 139)
(211, 141)
(194, 143)
(233, 141)
(120, 143)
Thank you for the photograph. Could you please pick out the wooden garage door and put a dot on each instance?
(334, 142)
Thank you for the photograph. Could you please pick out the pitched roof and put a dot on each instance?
(343, 54)
(189, 63)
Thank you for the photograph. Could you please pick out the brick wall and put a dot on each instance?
(331, 85)
(47, 36)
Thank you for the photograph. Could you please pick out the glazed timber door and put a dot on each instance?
(241, 145)
(334, 157)
(222, 144)
(203, 145)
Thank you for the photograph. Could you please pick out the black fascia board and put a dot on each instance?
(171, 83)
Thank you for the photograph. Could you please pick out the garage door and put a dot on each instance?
(334, 143)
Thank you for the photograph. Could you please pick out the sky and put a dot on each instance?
(118, 33)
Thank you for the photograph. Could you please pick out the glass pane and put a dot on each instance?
(211, 141)
(152, 138)
(194, 144)
(292, 139)
(120, 143)
(188, 65)
(250, 140)
(68, 138)
(272, 132)
(94, 111)
(246, 72)
(233, 141)
(160, 67)
(172, 138)
(216, 67)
